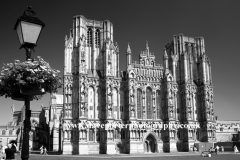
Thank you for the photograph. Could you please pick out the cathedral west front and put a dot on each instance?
(177, 93)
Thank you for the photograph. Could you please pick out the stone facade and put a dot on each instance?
(228, 131)
(49, 120)
(33, 135)
(13, 131)
(180, 92)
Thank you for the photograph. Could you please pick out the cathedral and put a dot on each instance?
(177, 93)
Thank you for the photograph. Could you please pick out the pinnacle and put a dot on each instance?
(129, 49)
(147, 44)
(165, 56)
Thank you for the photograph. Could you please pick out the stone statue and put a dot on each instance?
(211, 105)
(82, 97)
(109, 90)
(207, 104)
(109, 99)
(132, 99)
(171, 114)
(82, 88)
(82, 109)
(170, 100)
(132, 113)
(109, 56)
(189, 114)
(208, 115)
(83, 55)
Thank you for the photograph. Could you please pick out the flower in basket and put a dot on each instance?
(28, 76)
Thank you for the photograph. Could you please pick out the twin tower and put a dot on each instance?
(178, 93)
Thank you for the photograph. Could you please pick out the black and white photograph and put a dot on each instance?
(119, 79)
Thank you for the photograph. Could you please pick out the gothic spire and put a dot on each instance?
(165, 56)
(147, 47)
(129, 49)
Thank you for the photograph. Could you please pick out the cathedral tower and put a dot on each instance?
(191, 69)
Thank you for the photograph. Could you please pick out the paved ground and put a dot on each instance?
(157, 156)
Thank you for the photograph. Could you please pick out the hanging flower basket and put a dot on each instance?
(17, 96)
(32, 77)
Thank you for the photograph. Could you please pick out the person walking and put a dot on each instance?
(222, 149)
(44, 150)
(10, 151)
(217, 149)
(41, 150)
(235, 149)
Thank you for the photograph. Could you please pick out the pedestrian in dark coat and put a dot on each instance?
(10, 151)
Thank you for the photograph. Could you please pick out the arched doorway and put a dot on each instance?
(150, 144)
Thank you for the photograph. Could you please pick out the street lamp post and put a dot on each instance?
(28, 28)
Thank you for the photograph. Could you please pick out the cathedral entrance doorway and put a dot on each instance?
(150, 144)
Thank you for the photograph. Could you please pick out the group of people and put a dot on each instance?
(216, 150)
(8, 152)
(43, 150)
(193, 149)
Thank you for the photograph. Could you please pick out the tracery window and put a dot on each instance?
(91, 135)
(149, 103)
(115, 105)
(117, 134)
(89, 36)
(158, 104)
(90, 102)
(139, 104)
(122, 101)
(97, 38)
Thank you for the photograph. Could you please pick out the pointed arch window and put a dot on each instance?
(122, 103)
(89, 37)
(91, 102)
(158, 104)
(91, 135)
(115, 104)
(139, 104)
(149, 103)
(97, 38)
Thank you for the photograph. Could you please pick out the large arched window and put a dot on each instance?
(115, 103)
(158, 104)
(89, 36)
(139, 104)
(97, 38)
(179, 100)
(122, 103)
(90, 102)
(149, 103)
(97, 105)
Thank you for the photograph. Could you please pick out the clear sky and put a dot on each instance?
(134, 21)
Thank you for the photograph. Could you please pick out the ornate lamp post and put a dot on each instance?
(28, 28)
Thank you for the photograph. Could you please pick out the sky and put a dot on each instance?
(134, 22)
